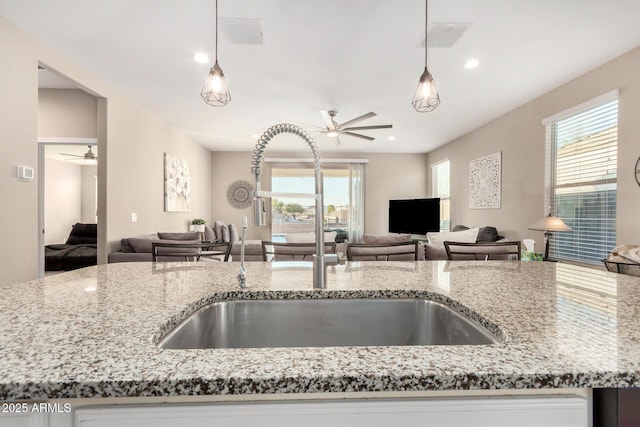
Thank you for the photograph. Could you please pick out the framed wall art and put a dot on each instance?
(485, 182)
(177, 184)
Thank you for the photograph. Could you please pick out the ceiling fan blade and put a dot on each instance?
(357, 119)
(303, 125)
(327, 120)
(72, 155)
(357, 135)
(368, 127)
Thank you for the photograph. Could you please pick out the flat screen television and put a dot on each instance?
(415, 216)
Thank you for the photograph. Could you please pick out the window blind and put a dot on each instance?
(581, 157)
(440, 178)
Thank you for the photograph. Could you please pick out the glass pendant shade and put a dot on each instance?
(215, 91)
(426, 97)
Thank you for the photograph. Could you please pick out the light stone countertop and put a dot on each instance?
(90, 332)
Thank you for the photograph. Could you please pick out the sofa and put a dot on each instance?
(136, 249)
(434, 247)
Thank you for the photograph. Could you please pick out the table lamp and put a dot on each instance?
(549, 224)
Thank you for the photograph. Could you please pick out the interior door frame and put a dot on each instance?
(42, 142)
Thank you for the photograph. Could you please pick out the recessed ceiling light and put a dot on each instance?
(202, 58)
(255, 136)
(471, 63)
(392, 138)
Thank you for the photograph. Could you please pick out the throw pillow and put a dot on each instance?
(209, 234)
(141, 245)
(466, 236)
(217, 228)
(487, 234)
(383, 239)
(233, 233)
(224, 232)
(188, 235)
(126, 246)
(460, 228)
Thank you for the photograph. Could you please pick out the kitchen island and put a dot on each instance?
(91, 334)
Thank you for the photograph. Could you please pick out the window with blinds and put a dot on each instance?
(441, 188)
(581, 178)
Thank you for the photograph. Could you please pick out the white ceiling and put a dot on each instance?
(355, 56)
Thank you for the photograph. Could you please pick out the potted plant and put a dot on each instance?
(197, 224)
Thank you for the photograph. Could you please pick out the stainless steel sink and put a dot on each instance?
(325, 323)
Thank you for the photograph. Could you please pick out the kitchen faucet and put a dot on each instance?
(319, 261)
(242, 274)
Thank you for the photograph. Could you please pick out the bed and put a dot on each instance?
(80, 250)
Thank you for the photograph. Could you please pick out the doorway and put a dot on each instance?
(69, 155)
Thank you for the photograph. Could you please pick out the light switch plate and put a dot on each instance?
(134, 217)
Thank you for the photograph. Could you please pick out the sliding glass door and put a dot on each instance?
(343, 201)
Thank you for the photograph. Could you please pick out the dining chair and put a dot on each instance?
(281, 251)
(403, 251)
(218, 251)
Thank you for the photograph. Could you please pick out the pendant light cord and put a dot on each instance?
(426, 24)
(216, 52)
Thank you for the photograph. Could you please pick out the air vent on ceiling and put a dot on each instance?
(243, 31)
(445, 35)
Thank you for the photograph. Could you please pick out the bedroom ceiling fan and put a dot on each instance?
(89, 156)
(333, 129)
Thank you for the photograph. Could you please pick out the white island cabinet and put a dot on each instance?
(490, 412)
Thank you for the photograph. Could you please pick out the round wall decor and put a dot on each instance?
(239, 194)
(638, 171)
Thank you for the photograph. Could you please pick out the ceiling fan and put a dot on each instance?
(89, 155)
(333, 129)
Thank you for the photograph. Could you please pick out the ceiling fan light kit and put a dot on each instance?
(426, 97)
(215, 91)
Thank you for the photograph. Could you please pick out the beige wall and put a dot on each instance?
(66, 113)
(520, 136)
(387, 176)
(88, 199)
(62, 199)
(131, 147)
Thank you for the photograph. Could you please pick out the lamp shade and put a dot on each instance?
(215, 90)
(550, 223)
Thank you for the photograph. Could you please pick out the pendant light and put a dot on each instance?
(215, 91)
(426, 97)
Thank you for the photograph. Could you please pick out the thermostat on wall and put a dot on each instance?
(25, 173)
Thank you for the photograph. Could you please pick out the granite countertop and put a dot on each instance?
(91, 332)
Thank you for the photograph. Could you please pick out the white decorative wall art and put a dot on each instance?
(485, 182)
(177, 185)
